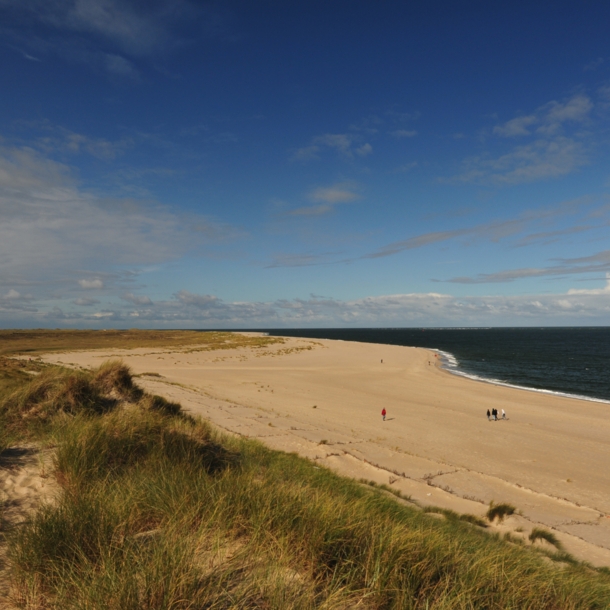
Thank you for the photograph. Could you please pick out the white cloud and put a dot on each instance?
(120, 66)
(403, 133)
(133, 27)
(307, 153)
(59, 139)
(411, 309)
(555, 114)
(540, 160)
(364, 150)
(558, 148)
(12, 294)
(596, 263)
(499, 229)
(516, 127)
(106, 33)
(85, 302)
(548, 118)
(52, 230)
(96, 284)
(407, 167)
(344, 144)
(337, 193)
(137, 299)
(326, 198)
(341, 142)
(595, 291)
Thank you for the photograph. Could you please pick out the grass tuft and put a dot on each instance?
(500, 511)
(115, 378)
(539, 534)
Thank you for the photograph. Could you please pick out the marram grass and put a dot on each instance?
(161, 511)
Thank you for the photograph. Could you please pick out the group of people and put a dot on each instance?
(493, 414)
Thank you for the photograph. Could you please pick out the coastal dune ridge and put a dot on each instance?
(323, 399)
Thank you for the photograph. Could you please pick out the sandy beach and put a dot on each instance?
(323, 400)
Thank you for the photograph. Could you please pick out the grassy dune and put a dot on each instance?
(32, 342)
(161, 511)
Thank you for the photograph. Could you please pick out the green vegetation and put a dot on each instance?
(499, 511)
(32, 342)
(540, 534)
(160, 511)
(452, 515)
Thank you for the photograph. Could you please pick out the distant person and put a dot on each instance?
(503, 414)
(488, 415)
(494, 412)
(383, 413)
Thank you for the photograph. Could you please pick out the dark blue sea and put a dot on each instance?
(571, 361)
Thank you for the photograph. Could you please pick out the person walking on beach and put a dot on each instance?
(494, 413)
(383, 413)
(503, 414)
(488, 415)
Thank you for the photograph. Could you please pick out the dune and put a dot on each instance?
(323, 400)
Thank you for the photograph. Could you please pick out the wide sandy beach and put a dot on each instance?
(323, 399)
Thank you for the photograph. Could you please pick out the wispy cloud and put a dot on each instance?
(541, 160)
(51, 228)
(356, 141)
(303, 260)
(341, 192)
(593, 291)
(596, 263)
(548, 119)
(342, 143)
(107, 33)
(553, 151)
(117, 65)
(498, 230)
(326, 198)
(594, 64)
(403, 133)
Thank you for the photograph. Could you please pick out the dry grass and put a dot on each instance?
(160, 511)
(540, 534)
(500, 511)
(31, 342)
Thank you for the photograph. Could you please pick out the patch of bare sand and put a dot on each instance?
(25, 484)
(323, 399)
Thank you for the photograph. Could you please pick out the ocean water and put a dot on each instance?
(571, 361)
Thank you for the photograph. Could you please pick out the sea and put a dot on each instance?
(568, 361)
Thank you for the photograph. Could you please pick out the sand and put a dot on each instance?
(26, 484)
(323, 399)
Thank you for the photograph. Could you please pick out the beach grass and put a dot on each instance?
(500, 511)
(34, 342)
(159, 510)
(541, 534)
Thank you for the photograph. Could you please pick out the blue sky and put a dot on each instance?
(181, 164)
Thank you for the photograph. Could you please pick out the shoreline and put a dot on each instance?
(488, 354)
(473, 377)
(322, 398)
